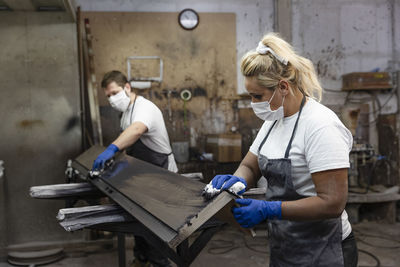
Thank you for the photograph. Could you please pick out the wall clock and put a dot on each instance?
(188, 19)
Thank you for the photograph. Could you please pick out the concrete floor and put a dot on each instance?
(228, 247)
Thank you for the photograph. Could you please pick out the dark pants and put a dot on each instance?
(350, 252)
(144, 252)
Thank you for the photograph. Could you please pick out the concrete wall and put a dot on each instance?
(39, 105)
(344, 36)
(349, 36)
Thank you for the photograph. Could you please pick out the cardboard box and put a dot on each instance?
(225, 147)
(366, 81)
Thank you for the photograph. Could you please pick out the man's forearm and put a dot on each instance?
(129, 136)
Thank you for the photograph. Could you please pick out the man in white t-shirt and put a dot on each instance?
(144, 136)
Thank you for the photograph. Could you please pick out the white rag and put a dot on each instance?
(212, 191)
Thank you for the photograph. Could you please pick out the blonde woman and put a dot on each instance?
(302, 150)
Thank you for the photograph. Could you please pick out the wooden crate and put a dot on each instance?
(366, 81)
(225, 147)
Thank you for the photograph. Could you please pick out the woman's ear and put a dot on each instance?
(283, 87)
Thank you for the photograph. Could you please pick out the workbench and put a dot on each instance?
(165, 208)
(381, 204)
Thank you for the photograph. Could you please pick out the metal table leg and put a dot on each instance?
(121, 250)
(184, 254)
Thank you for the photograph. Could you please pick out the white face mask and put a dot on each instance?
(120, 101)
(264, 112)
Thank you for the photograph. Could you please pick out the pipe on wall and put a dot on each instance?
(3, 217)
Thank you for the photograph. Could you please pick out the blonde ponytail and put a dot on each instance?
(268, 70)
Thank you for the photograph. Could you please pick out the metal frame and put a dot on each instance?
(172, 243)
(162, 230)
(152, 79)
(183, 255)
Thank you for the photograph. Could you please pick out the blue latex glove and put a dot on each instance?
(103, 157)
(229, 180)
(252, 211)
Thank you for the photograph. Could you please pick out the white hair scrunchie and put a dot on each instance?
(262, 49)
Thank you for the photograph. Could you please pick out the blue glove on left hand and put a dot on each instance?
(225, 181)
(253, 211)
(103, 157)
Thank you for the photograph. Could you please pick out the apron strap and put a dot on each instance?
(266, 137)
(123, 114)
(295, 128)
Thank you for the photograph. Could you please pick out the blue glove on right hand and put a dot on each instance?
(229, 180)
(103, 157)
(252, 211)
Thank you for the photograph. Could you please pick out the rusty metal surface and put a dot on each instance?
(387, 169)
(168, 204)
(170, 197)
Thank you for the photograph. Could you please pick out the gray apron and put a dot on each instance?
(293, 243)
(142, 152)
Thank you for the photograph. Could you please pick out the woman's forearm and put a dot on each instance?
(246, 173)
(311, 208)
(331, 198)
(248, 170)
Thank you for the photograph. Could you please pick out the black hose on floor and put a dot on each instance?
(378, 262)
(220, 246)
(359, 234)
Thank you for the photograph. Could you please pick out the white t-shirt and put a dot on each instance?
(156, 138)
(321, 142)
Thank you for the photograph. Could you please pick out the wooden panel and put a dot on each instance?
(225, 147)
(91, 85)
(206, 55)
(202, 61)
(366, 81)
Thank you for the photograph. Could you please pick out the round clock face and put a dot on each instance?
(188, 19)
